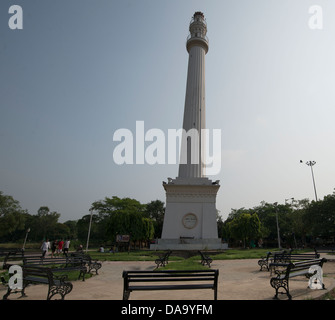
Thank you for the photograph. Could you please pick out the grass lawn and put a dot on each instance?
(147, 255)
(136, 255)
(180, 263)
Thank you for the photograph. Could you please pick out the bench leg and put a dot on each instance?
(7, 294)
(9, 291)
(94, 265)
(62, 290)
(126, 295)
(263, 264)
(160, 263)
(206, 261)
(96, 271)
(97, 266)
(277, 284)
(82, 274)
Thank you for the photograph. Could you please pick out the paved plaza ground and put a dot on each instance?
(238, 280)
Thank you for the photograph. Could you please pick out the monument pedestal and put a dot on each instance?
(190, 215)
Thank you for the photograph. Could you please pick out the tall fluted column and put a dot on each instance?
(192, 153)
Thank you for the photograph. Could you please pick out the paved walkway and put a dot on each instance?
(238, 280)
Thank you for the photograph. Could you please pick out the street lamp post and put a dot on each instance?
(311, 164)
(89, 229)
(293, 233)
(278, 233)
(25, 240)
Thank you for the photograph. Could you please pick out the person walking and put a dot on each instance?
(66, 247)
(45, 246)
(60, 246)
(53, 248)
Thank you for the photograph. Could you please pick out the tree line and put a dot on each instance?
(110, 217)
(300, 222)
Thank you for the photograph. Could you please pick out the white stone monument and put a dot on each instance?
(190, 214)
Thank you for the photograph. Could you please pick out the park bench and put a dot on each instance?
(264, 262)
(291, 257)
(205, 259)
(57, 285)
(325, 250)
(17, 258)
(58, 264)
(12, 256)
(163, 260)
(90, 263)
(5, 251)
(169, 280)
(293, 269)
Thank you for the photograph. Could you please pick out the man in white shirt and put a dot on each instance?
(45, 246)
(66, 246)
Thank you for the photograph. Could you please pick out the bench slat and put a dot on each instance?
(172, 287)
(37, 279)
(170, 279)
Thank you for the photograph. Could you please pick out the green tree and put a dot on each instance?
(123, 216)
(12, 217)
(267, 213)
(46, 222)
(135, 224)
(220, 224)
(320, 216)
(155, 210)
(245, 227)
(72, 227)
(297, 223)
(116, 205)
(83, 225)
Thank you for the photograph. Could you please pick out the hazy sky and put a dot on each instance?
(79, 70)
